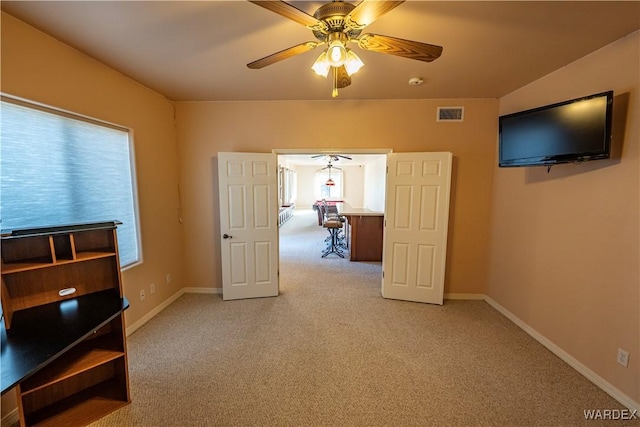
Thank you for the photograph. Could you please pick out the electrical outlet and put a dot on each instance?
(142, 295)
(623, 357)
(168, 278)
(153, 288)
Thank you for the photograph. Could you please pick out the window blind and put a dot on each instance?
(56, 169)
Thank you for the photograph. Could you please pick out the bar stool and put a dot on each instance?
(331, 213)
(334, 245)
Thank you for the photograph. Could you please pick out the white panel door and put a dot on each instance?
(248, 187)
(416, 223)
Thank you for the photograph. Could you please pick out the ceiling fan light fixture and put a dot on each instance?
(336, 53)
(353, 63)
(330, 183)
(336, 23)
(321, 66)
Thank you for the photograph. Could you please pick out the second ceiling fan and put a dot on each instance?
(336, 24)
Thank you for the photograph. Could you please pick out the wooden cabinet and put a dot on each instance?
(366, 235)
(63, 331)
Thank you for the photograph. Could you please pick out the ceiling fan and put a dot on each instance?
(331, 157)
(337, 23)
(330, 166)
(330, 182)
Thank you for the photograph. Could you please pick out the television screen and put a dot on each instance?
(572, 131)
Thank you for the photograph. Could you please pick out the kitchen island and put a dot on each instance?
(364, 231)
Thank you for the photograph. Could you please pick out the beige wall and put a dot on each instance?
(206, 128)
(565, 245)
(39, 68)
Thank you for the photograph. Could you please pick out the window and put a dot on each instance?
(58, 168)
(324, 191)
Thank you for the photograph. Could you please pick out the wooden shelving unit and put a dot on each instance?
(63, 332)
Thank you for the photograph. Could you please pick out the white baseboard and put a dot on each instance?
(150, 315)
(194, 290)
(474, 297)
(570, 360)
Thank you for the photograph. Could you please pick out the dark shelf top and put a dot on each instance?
(58, 229)
(41, 334)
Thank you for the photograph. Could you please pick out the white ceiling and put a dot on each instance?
(320, 162)
(198, 50)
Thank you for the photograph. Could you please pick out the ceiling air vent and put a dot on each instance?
(450, 114)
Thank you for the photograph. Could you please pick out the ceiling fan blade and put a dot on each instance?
(341, 77)
(400, 47)
(368, 11)
(337, 157)
(331, 157)
(283, 54)
(288, 11)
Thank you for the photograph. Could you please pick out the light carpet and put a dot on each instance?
(330, 351)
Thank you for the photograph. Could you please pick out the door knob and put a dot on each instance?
(226, 236)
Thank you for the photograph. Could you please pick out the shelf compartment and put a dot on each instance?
(25, 253)
(94, 241)
(42, 334)
(25, 250)
(36, 287)
(63, 247)
(81, 399)
(38, 263)
(83, 357)
(90, 255)
(26, 265)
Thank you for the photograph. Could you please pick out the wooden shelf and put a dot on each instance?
(37, 263)
(86, 355)
(62, 333)
(26, 265)
(89, 255)
(42, 334)
(83, 407)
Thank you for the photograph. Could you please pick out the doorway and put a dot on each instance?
(358, 179)
(415, 224)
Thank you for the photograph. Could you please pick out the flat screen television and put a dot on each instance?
(571, 131)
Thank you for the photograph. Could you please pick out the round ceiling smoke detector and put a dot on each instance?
(415, 81)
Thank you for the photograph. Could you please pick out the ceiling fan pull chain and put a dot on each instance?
(334, 93)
